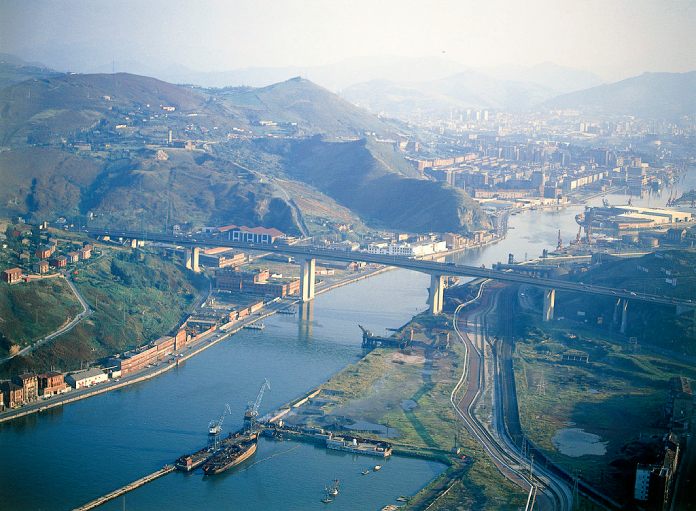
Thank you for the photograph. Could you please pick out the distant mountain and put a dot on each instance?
(335, 77)
(469, 89)
(560, 79)
(651, 95)
(15, 70)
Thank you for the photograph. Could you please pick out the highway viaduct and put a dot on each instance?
(307, 255)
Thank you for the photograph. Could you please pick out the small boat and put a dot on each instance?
(402, 499)
(365, 472)
(327, 497)
(377, 467)
(334, 488)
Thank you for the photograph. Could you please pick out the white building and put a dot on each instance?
(86, 378)
(407, 249)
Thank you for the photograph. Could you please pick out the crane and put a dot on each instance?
(252, 411)
(215, 428)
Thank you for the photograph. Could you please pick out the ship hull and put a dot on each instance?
(224, 461)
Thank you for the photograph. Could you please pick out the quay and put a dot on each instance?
(125, 489)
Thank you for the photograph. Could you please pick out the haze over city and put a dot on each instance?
(348, 255)
(614, 39)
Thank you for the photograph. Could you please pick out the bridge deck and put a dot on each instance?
(430, 267)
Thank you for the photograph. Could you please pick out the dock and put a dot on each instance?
(125, 489)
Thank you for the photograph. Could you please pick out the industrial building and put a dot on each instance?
(86, 378)
(255, 282)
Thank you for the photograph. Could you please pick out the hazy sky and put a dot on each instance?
(615, 38)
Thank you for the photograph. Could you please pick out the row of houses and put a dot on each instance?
(30, 387)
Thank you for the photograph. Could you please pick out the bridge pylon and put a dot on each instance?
(549, 303)
(307, 279)
(436, 296)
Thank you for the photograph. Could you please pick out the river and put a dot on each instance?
(64, 458)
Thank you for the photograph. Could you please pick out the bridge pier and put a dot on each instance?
(307, 279)
(134, 243)
(436, 297)
(549, 303)
(624, 316)
(188, 254)
(195, 254)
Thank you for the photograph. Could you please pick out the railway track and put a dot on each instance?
(544, 488)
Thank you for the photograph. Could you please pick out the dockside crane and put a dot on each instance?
(215, 428)
(252, 411)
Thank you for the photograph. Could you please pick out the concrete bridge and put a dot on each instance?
(307, 255)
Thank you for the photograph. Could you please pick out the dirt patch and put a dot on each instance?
(402, 358)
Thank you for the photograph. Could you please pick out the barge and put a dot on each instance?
(230, 455)
(358, 445)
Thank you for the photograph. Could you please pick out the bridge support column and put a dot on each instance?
(307, 279)
(624, 316)
(188, 254)
(436, 297)
(134, 243)
(195, 253)
(549, 303)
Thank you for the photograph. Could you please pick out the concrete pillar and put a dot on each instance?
(134, 243)
(617, 305)
(436, 297)
(189, 259)
(624, 316)
(307, 279)
(195, 253)
(549, 303)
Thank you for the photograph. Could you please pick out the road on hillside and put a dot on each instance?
(86, 311)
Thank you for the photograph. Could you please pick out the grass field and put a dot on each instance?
(31, 310)
(619, 396)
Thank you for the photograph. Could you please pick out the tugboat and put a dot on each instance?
(377, 467)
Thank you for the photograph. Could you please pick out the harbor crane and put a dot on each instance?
(215, 427)
(252, 411)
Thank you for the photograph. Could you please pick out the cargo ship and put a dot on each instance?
(231, 454)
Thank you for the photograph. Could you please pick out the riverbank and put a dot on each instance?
(179, 357)
(403, 397)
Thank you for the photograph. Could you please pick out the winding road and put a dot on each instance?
(86, 311)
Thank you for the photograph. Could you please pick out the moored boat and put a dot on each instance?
(231, 455)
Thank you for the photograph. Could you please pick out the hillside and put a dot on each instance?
(376, 183)
(87, 146)
(652, 95)
(14, 70)
(314, 109)
(653, 324)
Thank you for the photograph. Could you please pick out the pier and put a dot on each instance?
(125, 489)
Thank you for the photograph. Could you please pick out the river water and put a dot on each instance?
(64, 458)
